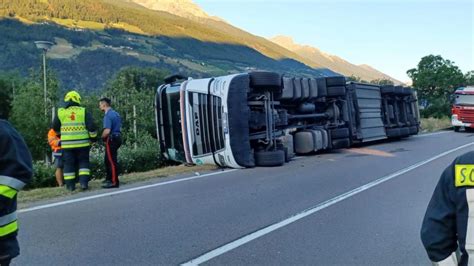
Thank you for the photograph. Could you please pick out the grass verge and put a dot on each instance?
(434, 124)
(29, 196)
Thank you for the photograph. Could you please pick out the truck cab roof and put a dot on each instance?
(465, 90)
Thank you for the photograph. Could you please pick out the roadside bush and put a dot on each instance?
(144, 158)
(43, 175)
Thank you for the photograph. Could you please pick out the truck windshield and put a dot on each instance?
(464, 99)
(170, 128)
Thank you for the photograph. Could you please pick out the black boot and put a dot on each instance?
(109, 184)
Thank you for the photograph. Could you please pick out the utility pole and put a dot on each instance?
(44, 46)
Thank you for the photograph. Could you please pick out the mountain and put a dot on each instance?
(182, 8)
(321, 59)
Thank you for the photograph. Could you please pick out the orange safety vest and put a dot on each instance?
(54, 142)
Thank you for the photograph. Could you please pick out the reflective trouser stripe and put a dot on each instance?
(57, 154)
(69, 176)
(469, 246)
(7, 191)
(8, 229)
(93, 134)
(11, 182)
(84, 171)
(449, 261)
(7, 219)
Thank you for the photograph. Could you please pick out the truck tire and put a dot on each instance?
(340, 133)
(388, 89)
(336, 81)
(398, 90)
(336, 91)
(270, 158)
(404, 132)
(393, 132)
(413, 130)
(265, 81)
(322, 88)
(341, 143)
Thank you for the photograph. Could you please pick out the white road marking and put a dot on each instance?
(46, 206)
(257, 234)
(432, 134)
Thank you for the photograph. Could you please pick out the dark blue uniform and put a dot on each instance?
(448, 227)
(15, 172)
(113, 142)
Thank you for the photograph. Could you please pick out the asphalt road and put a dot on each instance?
(178, 221)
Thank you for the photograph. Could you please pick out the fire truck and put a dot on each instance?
(462, 111)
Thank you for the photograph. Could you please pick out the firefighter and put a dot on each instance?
(15, 172)
(55, 142)
(113, 140)
(76, 128)
(448, 227)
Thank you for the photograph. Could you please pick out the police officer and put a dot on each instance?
(113, 140)
(77, 130)
(15, 173)
(448, 227)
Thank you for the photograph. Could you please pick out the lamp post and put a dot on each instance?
(45, 46)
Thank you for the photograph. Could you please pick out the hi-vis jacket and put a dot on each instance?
(15, 173)
(448, 227)
(75, 126)
(54, 142)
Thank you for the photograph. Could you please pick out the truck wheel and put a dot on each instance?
(265, 81)
(270, 158)
(336, 91)
(387, 89)
(335, 81)
(341, 143)
(404, 132)
(393, 132)
(413, 130)
(340, 133)
(456, 129)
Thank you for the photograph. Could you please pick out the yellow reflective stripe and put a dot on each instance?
(84, 171)
(69, 176)
(11, 182)
(7, 219)
(464, 175)
(7, 191)
(8, 229)
(93, 134)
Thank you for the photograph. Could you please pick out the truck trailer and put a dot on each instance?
(265, 119)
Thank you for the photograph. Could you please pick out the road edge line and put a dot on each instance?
(273, 227)
(108, 194)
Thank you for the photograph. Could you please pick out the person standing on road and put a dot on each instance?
(15, 172)
(55, 143)
(447, 231)
(113, 140)
(77, 130)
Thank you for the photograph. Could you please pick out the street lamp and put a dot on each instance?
(45, 46)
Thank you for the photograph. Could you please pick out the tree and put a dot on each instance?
(435, 79)
(132, 92)
(469, 77)
(27, 113)
(7, 87)
(382, 82)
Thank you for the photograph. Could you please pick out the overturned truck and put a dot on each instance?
(264, 119)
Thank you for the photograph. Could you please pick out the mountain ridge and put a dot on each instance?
(320, 58)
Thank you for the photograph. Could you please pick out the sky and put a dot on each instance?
(391, 36)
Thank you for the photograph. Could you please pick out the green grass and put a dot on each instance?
(29, 196)
(434, 124)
